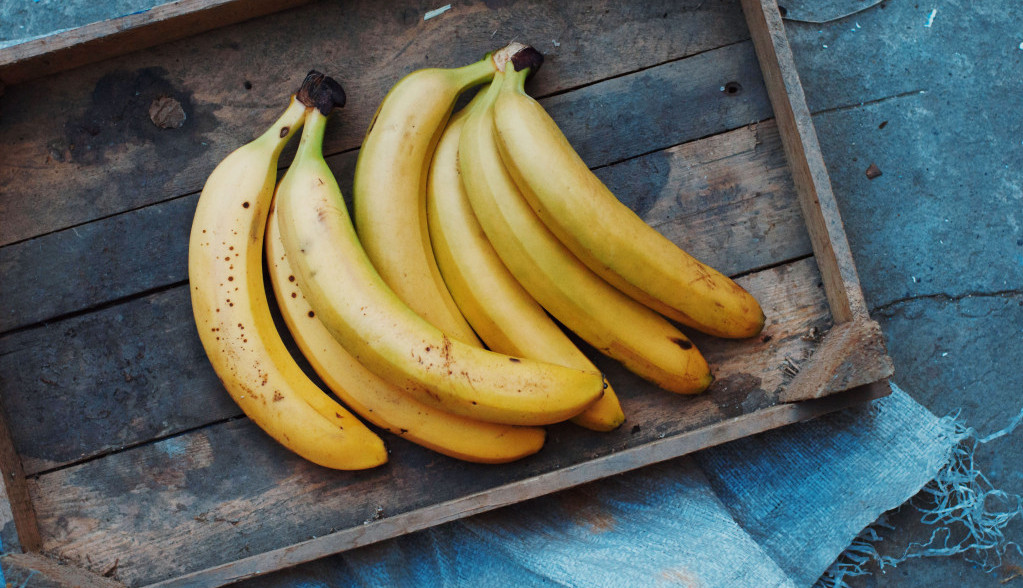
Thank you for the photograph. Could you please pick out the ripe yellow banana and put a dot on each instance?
(604, 233)
(389, 199)
(232, 314)
(378, 401)
(385, 335)
(502, 313)
(616, 325)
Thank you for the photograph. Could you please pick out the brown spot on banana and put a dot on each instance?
(682, 343)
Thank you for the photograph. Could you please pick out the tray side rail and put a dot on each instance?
(97, 41)
(852, 353)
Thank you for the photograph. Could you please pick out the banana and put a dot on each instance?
(389, 200)
(232, 314)
(646, 343)
(376, 400)
(388, 337)
(501, 312)
(604, 233)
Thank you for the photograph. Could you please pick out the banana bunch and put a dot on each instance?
(430, 311)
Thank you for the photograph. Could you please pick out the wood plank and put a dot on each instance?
(167, 508)
(851, 354)
(136, 370)
(662, 106)
(820, 209)
(39, 571)
(89, 149)
(146, 249)
(8, 528)
(96, 263)
(674, 191)
(218, 491)
(103, 380)
(18, 511)
(116, 36)
(613, 464)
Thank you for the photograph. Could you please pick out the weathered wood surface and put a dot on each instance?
(32, 570)
(135, 370)
(8, 529)
(96, 263)
(560, 479)
(116, 36)
(220, 493)
(851, 354)
(140, 467)
(17, 514)
(88, 265)
(146, 249)
(120, 376)
(820, 209)
(88, 149)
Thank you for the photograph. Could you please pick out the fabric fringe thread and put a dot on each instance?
(968, 513)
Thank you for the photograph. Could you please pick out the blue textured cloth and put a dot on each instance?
(774, 509)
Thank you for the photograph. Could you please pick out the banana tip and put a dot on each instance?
(521, 57)
(321, 92)
(527, 57)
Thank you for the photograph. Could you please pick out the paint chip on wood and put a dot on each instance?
(436, 12)
(167, 113)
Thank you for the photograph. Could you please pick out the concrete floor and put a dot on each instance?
(937, 238)
(932, 93)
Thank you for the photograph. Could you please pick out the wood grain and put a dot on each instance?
(89, 149)
(109, 38)
(223, 492)
(820, 209)
(609, 465)
(851, 354)
(95, 263)
(39, 571)
(92, 383)
(141, 469)
(146, 249)
(17, 501)
(8, 531)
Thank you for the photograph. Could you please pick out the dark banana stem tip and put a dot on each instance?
(527, 57)
(321, 92)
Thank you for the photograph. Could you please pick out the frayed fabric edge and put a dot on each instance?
(968, 514)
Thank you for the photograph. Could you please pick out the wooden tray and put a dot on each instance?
(124, 460)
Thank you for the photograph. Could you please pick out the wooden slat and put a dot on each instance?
(224, 492)
(601, 467)
(96, 263)
(140, 470)
(88, 150)
(109, 38)
(662, 106)
(83, 386)
(820, 208)
(851, 354)
(39, 571)
(145, 249)
(131, 388)
(17, 501)
(8, 529)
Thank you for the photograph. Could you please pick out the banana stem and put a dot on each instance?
(285, 126)
(311, 144)
(321, 92)
(475, 74)
(515, 80)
